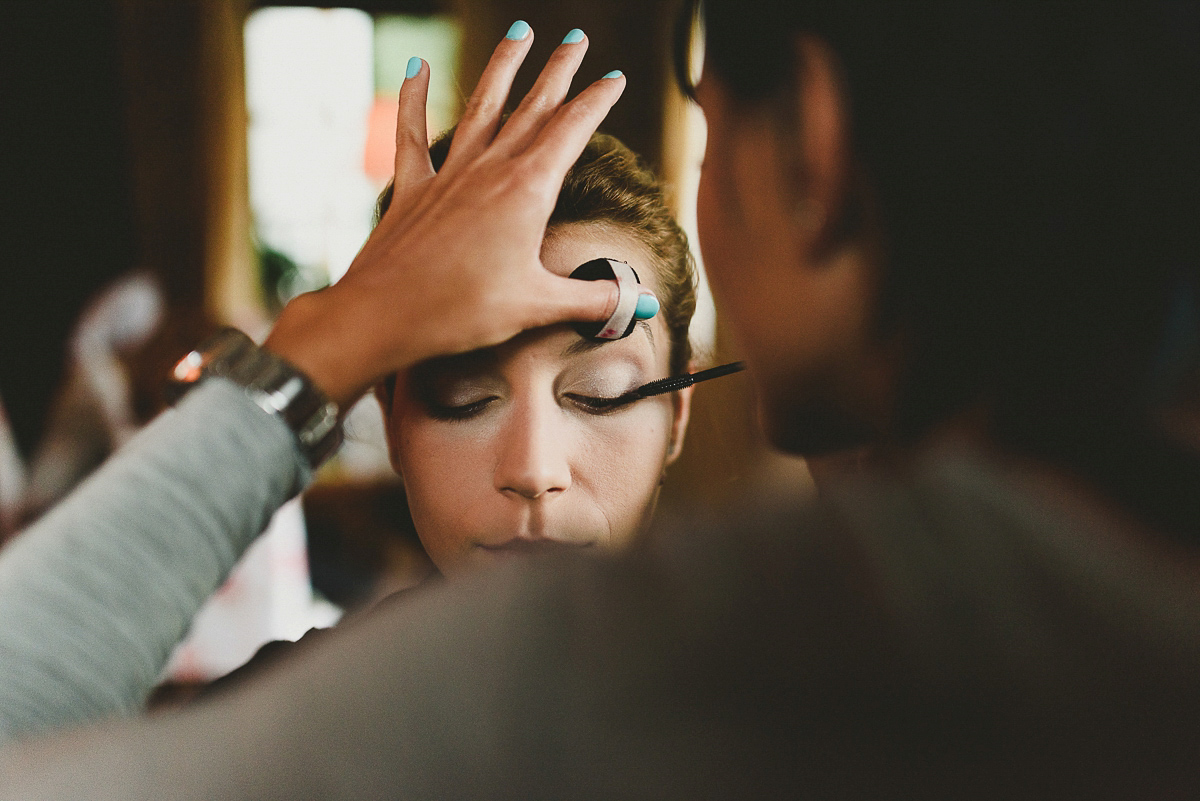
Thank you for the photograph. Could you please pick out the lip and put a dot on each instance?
(523, 545)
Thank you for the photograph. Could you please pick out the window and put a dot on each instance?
(321, 90)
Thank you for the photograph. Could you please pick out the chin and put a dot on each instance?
(812, 427)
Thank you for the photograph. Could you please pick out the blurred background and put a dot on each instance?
(171, 166)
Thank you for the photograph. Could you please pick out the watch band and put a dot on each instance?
(274, 385)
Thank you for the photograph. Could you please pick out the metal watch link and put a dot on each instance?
(274, 385)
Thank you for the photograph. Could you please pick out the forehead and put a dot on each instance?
(564, 248)
(568, 246)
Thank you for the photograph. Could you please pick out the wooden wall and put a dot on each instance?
(67, 226)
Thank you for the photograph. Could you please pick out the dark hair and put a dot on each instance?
(609, 184)
(1035, 177)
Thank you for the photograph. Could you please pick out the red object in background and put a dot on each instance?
(379, 156)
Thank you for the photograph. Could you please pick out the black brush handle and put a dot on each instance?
(678, 382)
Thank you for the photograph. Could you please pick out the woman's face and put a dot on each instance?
(504, 451)
(801, 309)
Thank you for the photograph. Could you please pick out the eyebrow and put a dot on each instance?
(587, 345)
(469, 363)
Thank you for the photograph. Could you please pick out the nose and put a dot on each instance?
(533, 460)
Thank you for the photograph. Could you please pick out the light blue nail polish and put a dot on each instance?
(647, 307)
(518, 31)
(615, 74)
(574, 36)
(414, 66)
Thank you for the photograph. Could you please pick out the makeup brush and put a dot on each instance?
(674, 383)
(677, 382)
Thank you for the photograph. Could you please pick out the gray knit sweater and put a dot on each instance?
(94, 596)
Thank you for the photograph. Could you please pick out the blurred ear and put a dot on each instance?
(682, 407)
(385, 395)
(784, 167)
(820, 137)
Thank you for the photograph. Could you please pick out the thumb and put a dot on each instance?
(569, 300)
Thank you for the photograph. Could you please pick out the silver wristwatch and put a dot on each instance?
(277, 387)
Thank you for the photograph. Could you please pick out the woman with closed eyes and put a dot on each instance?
(535, 445)
(520, 447)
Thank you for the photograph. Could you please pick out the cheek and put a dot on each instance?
(708, 209)
(730, 255)
(446, 475)
(622, 466)
(722, 244)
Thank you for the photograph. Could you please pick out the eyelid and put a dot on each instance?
(587, 395)
(462, 397)
(460, 390)
(607, 378)
(596, 405)
(439, 411)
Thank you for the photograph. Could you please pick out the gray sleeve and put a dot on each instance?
(94, 596)
(446, 694)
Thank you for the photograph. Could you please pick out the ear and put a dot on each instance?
(682, 407)
(784, 165)
(820, 137)
(385, 395)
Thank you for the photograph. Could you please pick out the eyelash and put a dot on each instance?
(595, 406)
(587, 403)
(455, 413)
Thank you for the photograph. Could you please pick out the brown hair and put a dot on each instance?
(609, 184)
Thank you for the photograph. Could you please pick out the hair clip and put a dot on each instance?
(622, 321)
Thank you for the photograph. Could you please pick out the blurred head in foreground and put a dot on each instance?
(920, 216)
(511, 449)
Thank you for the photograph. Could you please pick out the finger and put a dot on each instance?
(546, 95)
(563, 138)
(481, 118)
(565, 299)
(412, 136)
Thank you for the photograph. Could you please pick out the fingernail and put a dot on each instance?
(414, 66)
(518, 31)
(574, 36)
(647, 307)
(615, 74)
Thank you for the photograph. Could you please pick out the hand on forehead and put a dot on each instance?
(403, 291)
(567, 251)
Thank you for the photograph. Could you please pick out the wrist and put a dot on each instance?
(327, 346)
(273, 384)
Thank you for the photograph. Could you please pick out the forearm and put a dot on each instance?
(96, 594)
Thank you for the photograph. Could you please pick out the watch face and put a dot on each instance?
(211, 357)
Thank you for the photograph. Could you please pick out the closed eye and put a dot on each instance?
(466, 411)
(595, 405)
